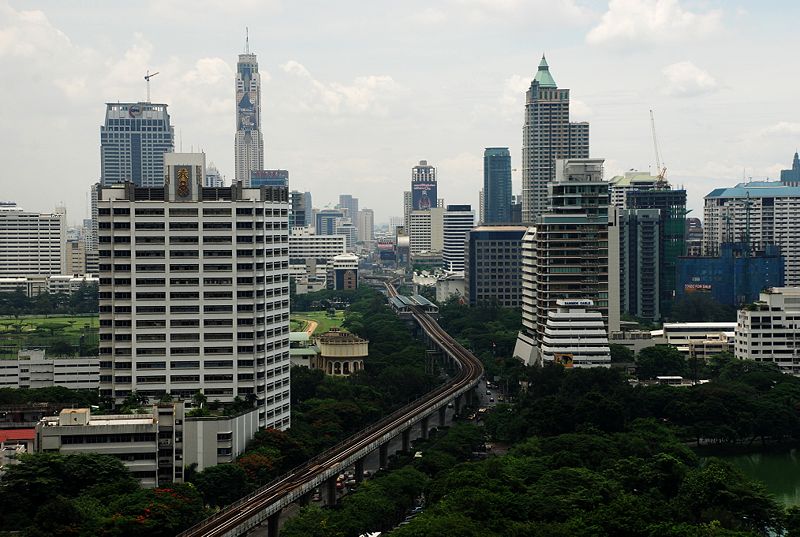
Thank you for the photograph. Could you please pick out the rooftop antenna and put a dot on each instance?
(246, 40)
(147, 77)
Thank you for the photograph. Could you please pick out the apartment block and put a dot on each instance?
(768, 330)
(32, 244)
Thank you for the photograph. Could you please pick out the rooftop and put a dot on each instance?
(337, 335)
(9, 435)
(543, 76)
(756, 189)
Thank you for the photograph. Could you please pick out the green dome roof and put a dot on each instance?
(543, 76)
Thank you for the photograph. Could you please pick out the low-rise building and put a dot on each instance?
(696, 339)
(449, 285)
(340, 353)
(344, 272)
(155, 446)
(33, 369)
(13, 443)
(36, 285)
(769, 330)
(575, 336)
(302, 351)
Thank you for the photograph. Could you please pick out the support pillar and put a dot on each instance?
(273, 524)
(442, 416)
(406, 436)
(359, 470)
(305, 499)
(424, 424)
(459, 401)
(383, 455)
(330, 491)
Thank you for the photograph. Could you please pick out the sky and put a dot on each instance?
(356, 93)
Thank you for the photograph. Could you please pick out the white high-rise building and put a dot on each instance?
(426, 230)
(366, 225)
(575, 336)
(304, 244)
(249, 145)
(769, 330)
(407, 209)
(213, 178)
(572, 253)
(194, 291)
(32, 244)
(456, 223)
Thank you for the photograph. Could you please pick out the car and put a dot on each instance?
(450, 405)
(491, 399)
(488, 392)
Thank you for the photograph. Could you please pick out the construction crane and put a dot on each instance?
(661, 170)
(148, 76)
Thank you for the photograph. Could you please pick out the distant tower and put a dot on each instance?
(496, 186)
(249, 142)
(547, 135)
(423, 187)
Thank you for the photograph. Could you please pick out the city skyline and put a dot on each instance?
(360, 117)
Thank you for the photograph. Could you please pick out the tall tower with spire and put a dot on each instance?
(547, 135)
(792, 177)
(249, 145)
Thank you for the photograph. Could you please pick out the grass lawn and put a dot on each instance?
(325, 322)
(40, 331)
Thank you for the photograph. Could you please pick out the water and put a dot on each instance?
(780, 472)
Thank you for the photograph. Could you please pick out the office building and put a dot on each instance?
(213, 179)
(696, 340)
(249, 143)
(426, 230)
(481, 201)
(133, 142)
(639, 247)
(457, 220)
(346, 228)
(423, 187)
(344, 268)
(496, 185)
(350, 204)
(791, 177)
(570, 253)
(620, 185)
(32, 244)
(734, 277)
(366, 225)
(269, 178)
(33, 369)
(759, 213)
(575, 336)
(327, 220)
(547, 135)
(407, 205)
(303, 245)
(694, 237)
(299, 212)
(194, 291)
(493, 265)
(768, 330)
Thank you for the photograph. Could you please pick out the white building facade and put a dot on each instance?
(575, 336)
(769, 330)
(249, 143)
(426, 232)
(32, 244)
(33, 369)
(457, 220)
(194, 291)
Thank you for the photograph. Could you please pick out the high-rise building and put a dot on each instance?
(791, 177)
(457, 221)
(694, 237)
(269, 178)
(304, 245)
(32, 244)
(194, 291)
(493, 265)
(620, 185)
(345, 227)
(366, 225)
(326, 221)
(575, 336)
(671, 205)
(758, 213)
(213, 178)
(547, 135)
(572, 253)
(423, 187)
(426, 231)
(407, 208)
(133, 142)
(640, 236)
(297, 211)
(481, 201)
(249, 144)
(496, 185)
(346, 201)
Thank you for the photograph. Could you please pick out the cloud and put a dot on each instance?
(365, 95)
(781, 129)
(651, 21)
(685, 79)
(429, 15)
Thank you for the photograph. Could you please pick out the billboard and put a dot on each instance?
(423, 195)
(696, 288)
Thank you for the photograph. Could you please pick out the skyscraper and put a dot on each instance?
(366, 225)
(496, 185)
(572, 253)
(547, 135)
(423, 187)
(456, 223)
(347, 201)
(133, 141)
(249, 142)
(791, 177)
(183, 300)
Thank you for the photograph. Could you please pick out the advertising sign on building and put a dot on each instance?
(423, 195)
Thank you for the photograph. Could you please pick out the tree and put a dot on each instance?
(621, 353)
(222, 484)
(660, 360)
(700, 307)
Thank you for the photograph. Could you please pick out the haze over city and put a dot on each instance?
(355, 94)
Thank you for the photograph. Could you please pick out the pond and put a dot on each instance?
(779, 471)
